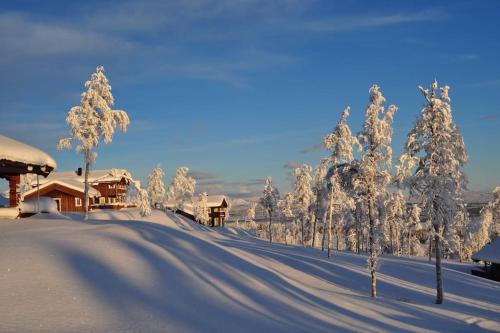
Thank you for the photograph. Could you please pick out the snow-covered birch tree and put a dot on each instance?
(486, 227)
(269, 201)
(320, 193)
(182, 187)
(395, 214)
(374, 173)
(431, 167)
(303, 196)
(92, 121)
(286, 207)
(412, 226)
(200, 209)
(156, 188)
(250, 216)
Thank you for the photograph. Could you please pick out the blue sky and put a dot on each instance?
(238, 90)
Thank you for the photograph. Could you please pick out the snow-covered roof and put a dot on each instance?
(16, 151)
(69, 183)
(490, 252)
(101, 175)
(212, 201)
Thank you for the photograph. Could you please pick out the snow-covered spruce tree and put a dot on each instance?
(431, 167)
(156, 189)
(412, 226)
(395, 215)
(286, 206)
(320, 193)
(269, 201)
(181, 189)
(303, 196)
(92, 121)
(200, 208)
(374, 173)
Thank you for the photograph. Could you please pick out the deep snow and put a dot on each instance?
(116, 273)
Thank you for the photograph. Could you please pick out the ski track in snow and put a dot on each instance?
(118, 272)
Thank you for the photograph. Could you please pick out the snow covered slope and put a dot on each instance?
(115, 273)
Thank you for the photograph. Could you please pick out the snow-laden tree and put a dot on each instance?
(303, 196)
(320, 193)
(26, 183)
(156, 188)
(340, 204)
(286, 207)
(395, 214)
(341, 144)
(269, 201)
(250, 217)
(92, 121)
(457, 235)
(431, 167)
(201, 210)
(181, 188)
(412, 226)
(484, 229)
(140, 197)
(374, 173)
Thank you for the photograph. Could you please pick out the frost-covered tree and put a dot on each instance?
(92, 121)
(250, 217)
(286, 207)
(156, 188)
(182, 188)
(140, 197)
(303, 196)
(412, 226)
(339, 204)
(431, 167)
(341, 143)
(395, 214)
(484, 229)
(269, 201)
(374, 173)
(201, 210)
(320, 193)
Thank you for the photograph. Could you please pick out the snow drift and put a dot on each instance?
(115, 273)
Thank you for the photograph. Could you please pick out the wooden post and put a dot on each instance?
(37, 193)
(14, 182)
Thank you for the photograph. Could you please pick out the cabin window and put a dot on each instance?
(102, 200)
(78, 202)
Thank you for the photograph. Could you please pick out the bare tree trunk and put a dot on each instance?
(330, 228)
(430, 246)
(86, 195)
(374, 284)
(409, 242)
(302, 231)
(270, 230)
(390, 235)
(314, 227)
(371, 249)
(439, 274)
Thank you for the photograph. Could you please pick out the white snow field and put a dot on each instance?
(118, 273)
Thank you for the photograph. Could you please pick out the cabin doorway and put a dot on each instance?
(58, 203)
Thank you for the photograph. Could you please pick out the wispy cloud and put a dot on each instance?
(370, 21)
(312, 149)
(291, 165)
(491, 116)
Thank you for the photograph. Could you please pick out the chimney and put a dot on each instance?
(79, 172)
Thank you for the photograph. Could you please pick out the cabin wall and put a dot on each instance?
(64, 197)
(112, 192)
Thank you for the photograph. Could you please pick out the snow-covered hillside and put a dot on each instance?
(116, 273)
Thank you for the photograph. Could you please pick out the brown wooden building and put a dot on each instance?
(217, 205)
(107, 189)
(68, 195)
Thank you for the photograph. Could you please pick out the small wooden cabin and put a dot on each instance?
(217, 205)
(69, 194)
(107, 189)
(490, 256)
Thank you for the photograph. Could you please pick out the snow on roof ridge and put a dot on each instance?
(18, 151)
(72, 184)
